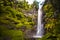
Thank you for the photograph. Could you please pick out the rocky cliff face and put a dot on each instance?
(33, 13)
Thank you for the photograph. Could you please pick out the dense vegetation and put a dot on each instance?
(15, 21)
(52, 20)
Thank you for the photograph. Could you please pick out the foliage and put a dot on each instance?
(49, 16)
(10, 34)
(56, 4)
(35, 4)
(14, 23)
(52, 23)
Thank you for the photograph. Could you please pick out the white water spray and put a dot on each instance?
(40, 30)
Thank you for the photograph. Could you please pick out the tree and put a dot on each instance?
(12, 21)
(35, 4)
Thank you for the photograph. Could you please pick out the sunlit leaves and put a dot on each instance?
(50, 23)
(52, 19)
(15, 18)
(48, 7)
(49, 15)
(13, 22)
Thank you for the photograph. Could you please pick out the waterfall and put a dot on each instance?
(40, 30)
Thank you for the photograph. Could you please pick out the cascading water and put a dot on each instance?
(40, 30)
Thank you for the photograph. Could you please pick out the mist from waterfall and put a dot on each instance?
(40, 30)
